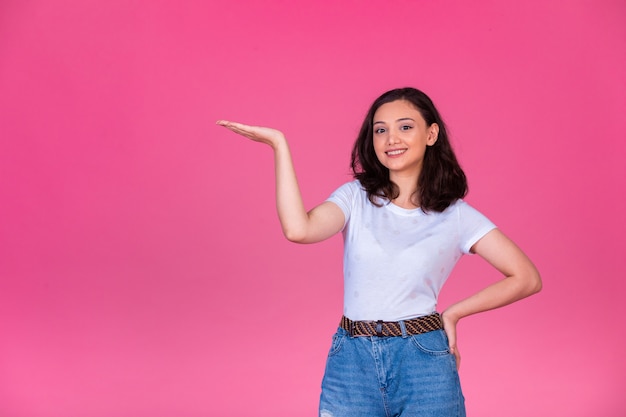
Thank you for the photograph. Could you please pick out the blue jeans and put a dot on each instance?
(408, 376)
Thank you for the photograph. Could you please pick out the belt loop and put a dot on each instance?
(403, 329)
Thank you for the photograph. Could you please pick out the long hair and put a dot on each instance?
(441, 181)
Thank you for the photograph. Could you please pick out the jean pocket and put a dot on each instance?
(432, 343)
(337, 343)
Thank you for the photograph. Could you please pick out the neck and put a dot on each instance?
(407, 187)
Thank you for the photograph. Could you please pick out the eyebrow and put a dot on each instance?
(399, 120)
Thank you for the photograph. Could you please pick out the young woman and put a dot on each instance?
(405, 226)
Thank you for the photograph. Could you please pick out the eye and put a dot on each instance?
(406, 127)
(379, 130)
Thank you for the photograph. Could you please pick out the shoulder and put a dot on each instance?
(462, 207)
(466, 215)
(346, 195)
(472, 224)
(349, 188)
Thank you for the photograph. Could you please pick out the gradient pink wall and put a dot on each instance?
(142, 267)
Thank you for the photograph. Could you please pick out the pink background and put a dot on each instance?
(142, 267)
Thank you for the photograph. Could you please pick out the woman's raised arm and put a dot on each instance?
(298, 225)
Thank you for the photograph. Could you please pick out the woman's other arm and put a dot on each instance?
(521, 279)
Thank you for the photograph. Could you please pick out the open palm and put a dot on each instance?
(261, 134)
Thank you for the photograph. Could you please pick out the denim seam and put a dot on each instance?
(427, 351)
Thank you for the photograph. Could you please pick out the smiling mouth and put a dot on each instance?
(396, 152)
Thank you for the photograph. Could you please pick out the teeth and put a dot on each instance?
(398, 152)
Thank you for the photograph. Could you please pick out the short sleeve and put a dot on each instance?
(473, 225)
(344, 197)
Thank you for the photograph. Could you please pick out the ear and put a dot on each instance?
(433, 134)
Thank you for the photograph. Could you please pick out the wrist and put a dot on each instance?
(451, 315)
(279, 144)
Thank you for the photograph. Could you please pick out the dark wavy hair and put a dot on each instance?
(441, 181)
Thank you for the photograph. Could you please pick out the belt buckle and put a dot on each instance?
(379, 328)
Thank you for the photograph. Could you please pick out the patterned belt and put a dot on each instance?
(392, 328)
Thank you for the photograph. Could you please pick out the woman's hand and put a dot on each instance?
(449, 326)
(265, 135)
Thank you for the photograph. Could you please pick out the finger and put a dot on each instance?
(451, 333)
(229, 125)
(238, 128)
(455, 351)
(232, 125)
(457, 355)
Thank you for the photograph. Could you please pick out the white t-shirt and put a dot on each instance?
(396, 260)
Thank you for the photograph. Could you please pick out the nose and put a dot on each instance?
(392, 138)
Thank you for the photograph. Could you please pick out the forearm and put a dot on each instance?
(499, 294)
(289, 205)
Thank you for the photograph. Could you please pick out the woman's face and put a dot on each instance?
(401, 137)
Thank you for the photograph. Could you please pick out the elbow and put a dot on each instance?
(295, 236)
(538, 285)
(527, 283)
(534, 283)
